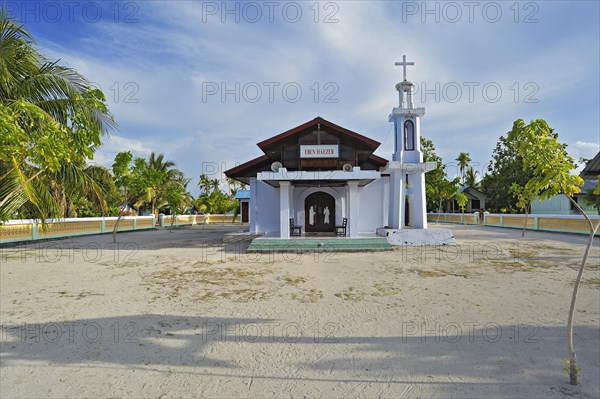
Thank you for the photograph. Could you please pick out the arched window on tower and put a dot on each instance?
(409, 136)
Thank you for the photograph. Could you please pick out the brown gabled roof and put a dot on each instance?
(378, 160)
(592, 168)
(318, 120)
(252, 164)
(252, 167)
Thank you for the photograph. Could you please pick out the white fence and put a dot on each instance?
(559, 223)
(31, 230)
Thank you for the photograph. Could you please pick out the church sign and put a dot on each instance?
(320, 151)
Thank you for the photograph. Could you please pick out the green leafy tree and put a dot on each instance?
(52, 121)
(462, 201)
(550, 164)
(592, 197)
(525, 195)
(505, 169)
(123, 179)
(437, 186)
(443, 191)
(123, 175)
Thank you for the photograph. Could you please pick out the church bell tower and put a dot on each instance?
(407, 170)
(407, 122)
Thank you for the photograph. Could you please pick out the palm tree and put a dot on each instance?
(152, 179)
(159, 164)
(177, 198)
(471, 178)
(72, 181)
(463, 161)
(204, 183)
(52, 109)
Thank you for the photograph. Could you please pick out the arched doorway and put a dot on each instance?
(319, 213)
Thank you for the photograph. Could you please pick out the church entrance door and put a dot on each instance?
(319, 213)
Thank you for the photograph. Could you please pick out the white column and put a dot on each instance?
(385, 217)
(284, 209)
(418, 210)
(398, 138)
(396, 210)
(353, 214)
(252, 206)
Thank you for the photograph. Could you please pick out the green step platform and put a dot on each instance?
(319, 245)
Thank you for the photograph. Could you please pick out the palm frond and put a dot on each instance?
(8, 184)
(38, 195)
(78, 180)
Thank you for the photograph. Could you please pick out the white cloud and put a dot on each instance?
(583, 149)
(105, 155)
(170, 53)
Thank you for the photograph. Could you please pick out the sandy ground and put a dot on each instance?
(183, 315)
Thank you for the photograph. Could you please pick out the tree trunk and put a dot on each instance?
(439, 212)
(172, 222)
(570, 348)
(114, 233)
(525, 224)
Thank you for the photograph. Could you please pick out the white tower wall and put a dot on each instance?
(407, 161)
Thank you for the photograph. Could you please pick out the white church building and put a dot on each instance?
(321, 179)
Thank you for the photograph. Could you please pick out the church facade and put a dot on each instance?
(320, 178)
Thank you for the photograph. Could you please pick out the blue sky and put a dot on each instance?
(203, 82)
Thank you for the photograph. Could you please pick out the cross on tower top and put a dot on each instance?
(404, 64)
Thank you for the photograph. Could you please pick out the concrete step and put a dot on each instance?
(323, 245)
